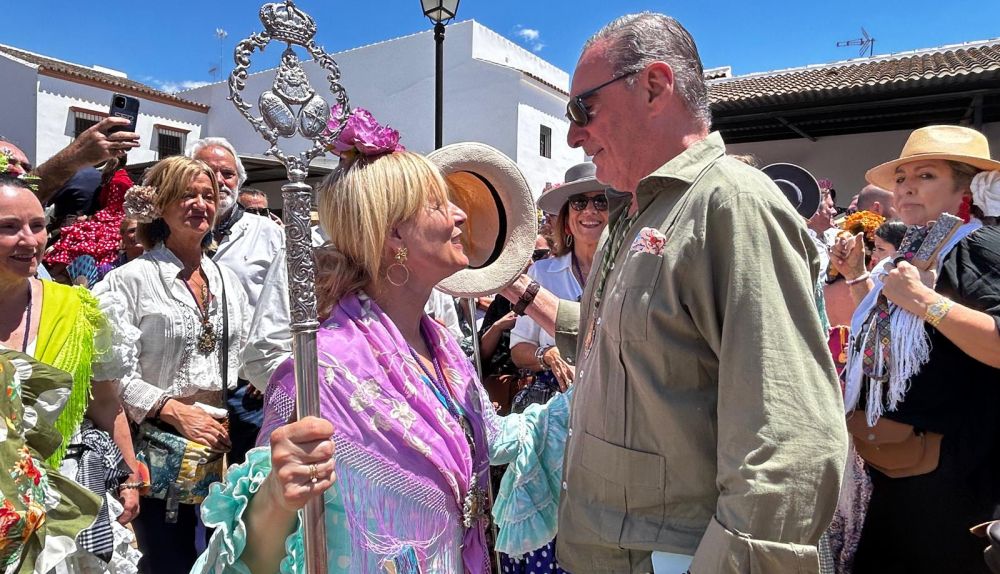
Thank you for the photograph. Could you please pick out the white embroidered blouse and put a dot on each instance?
(145, 295)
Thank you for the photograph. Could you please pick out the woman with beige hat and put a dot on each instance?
(924, 365)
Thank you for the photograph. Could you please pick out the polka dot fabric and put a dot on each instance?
(99, 236)
(541, 561)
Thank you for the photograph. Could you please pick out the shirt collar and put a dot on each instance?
(684, 167)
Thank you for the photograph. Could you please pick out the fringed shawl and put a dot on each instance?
(909, 344)
(72, 334)
(404, 465)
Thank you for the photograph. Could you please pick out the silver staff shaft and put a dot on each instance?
(302, 304)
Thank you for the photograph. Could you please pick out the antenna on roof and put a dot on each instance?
(866, 42)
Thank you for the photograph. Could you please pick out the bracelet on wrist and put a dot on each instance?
(154, 413)
(540, 356)
(937, 310)
(860, 278)
(133, 486)
(526, 298)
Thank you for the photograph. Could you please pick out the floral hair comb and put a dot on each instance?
(362, 135)
(140, 203)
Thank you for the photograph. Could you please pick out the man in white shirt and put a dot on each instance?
(248, 245)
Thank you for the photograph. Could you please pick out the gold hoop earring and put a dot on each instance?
(401, 255)
(569, 240)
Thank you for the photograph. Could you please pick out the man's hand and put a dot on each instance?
(93, 146)
(96, 145)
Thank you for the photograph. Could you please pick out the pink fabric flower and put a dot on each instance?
(362, 134)
(650, 241)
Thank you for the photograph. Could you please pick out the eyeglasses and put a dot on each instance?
(539, 254)
(258, 211)
(576, 109)
(579, 202)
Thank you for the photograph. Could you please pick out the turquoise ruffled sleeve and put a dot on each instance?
(531, 444)
(223, 510)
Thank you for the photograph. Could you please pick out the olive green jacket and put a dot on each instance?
(708, 419)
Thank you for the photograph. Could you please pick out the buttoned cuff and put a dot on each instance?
(567, 329)
(724, 551)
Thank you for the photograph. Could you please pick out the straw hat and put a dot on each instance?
(499, 234)
(798, 185)
(581, 178)
(953, 143)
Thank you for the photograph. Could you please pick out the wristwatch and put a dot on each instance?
(526, 298)
(937, 310)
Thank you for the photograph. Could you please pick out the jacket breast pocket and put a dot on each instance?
(628, 311)
(623, 490)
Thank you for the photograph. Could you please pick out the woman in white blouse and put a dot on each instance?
(192, 317)
(581, 211)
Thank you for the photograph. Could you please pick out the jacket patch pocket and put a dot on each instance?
(632, 483)
(628, 309)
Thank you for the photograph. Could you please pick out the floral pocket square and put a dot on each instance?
(649, 240)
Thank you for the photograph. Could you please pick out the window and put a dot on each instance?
(169, 142)
(82, 121)
(545, 142)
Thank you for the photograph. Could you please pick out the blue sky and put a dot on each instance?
(172, 44)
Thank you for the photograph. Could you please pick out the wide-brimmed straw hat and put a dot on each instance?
(499, 234)
(798, 185)
(581, 178)
(953, 143)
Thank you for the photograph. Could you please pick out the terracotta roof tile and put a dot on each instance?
(62, 68)
(946, 66)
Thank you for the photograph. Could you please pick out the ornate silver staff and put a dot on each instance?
(291, 108)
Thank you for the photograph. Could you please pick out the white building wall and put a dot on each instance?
(843, 159)
(18, 104)
(395, 81)
(55, 124)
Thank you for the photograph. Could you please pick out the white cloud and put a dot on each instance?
(528, 34)
(174, 87)
(530, 37)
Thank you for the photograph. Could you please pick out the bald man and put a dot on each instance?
(877, 200)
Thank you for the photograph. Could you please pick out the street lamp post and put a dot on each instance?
(440, 12)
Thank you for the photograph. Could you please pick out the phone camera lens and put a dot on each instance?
(119, 102)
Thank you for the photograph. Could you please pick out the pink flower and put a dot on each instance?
(362, 134)
(650, 241)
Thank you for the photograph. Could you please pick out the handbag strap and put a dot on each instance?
(224, 360)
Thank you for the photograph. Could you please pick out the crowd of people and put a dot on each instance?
(695, 374)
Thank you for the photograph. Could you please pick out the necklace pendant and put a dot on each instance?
(469, 436)
(474, 506)
(207, 340)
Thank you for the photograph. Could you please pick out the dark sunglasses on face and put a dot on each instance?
(576, 108)
(263, 211)
(579, 202)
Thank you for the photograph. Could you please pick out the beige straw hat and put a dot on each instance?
(953, 143)
(499, 234)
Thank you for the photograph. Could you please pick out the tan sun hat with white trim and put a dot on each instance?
(953, 143)
(499, 234)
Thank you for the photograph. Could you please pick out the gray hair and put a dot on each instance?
(637, 40)
(196, 147)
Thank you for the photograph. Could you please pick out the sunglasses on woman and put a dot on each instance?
(579, 202)
(576, 108)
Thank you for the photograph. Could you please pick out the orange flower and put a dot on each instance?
(863, 221)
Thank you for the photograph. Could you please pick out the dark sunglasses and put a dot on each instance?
(539, 254)
(258, 211)
(579, 202)
(576, 108)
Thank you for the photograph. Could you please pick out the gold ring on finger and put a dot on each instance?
(313, 474)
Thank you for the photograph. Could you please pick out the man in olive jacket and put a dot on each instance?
(707, 420)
